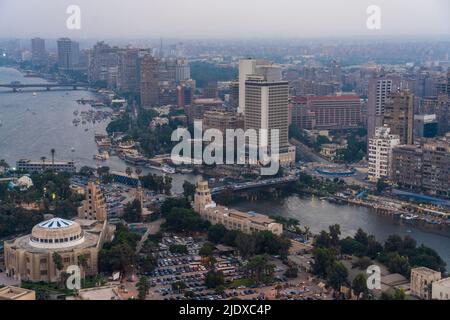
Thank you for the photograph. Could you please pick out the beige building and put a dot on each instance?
(231, 219)
(399, 115)
(30, 257)
(421, 281)
(94, 206)
(15, 293)
(441, 289)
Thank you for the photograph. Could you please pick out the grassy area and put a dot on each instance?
(44, 289)
(241, 282)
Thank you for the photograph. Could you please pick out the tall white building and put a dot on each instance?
(267, 108)
(380, 153)
(249, 67)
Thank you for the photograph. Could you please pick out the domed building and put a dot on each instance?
(31, 257)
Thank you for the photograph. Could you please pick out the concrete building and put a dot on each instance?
(182, 70)
(16, 293)
(41, 166)
(379, 90)
(247, 67)
(232, 219)
(30, 257)
(399, 115)
(38, 53)
(425, 126)
(68, 54)
(267, 109)
(220, 120)
(94, 206)
(421, 282)
(335, 112)
(104, 64)
(441, 289)
(380, 153)
(423, 167)
(149, 81)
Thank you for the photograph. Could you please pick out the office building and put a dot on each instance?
(182, 70)
(379, 90)
(266, 109)
(399, 115)
(424, 167)
(149, 81)
(38, 53)
(425, 126)
(380, 153)
(104, 65)
(335, 112)
(68, 54)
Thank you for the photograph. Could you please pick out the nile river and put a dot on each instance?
(33, 125)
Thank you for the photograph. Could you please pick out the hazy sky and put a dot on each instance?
(222, 18)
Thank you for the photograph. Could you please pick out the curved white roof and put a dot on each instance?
(56, 223)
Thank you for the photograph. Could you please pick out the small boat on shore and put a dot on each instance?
(168, 169)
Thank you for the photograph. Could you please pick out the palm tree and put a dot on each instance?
(83, 263)
(53, 151)
(43, 163)
(128, 171)
(138, 171)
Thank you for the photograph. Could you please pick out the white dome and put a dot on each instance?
(56, 233)
(25, 181)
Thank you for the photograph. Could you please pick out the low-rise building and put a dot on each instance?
(16, 293)
(421, 281)
(41, 166)
(232, 219)
(441, 289)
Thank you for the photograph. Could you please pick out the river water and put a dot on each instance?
(320, 214)
(33, 125)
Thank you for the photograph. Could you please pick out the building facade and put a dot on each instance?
(421, 282)
(380, 153)
(149, 81)
(399, 115)
(232, 219)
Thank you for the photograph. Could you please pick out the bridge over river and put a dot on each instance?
(255, 184)
(16, 86)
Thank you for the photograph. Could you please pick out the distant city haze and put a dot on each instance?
(222, 18)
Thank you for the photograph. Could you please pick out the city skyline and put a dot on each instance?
(230, 19)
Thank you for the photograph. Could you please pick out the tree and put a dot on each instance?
(362, 237)
(291, 272)
(398, 264)
(207, 249)
(335, 232)
(214, 279)
(83, 264)
(337, 275)
(184, 220)
(43, 163)
(178, 248)
(323, 258)
(53, 151)
(246, 244)
(359, 285)
(216, 233)
(57, 260)
(188, 189)
(143, 286)
(133, 212)
(352, 247)
(259, 269)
